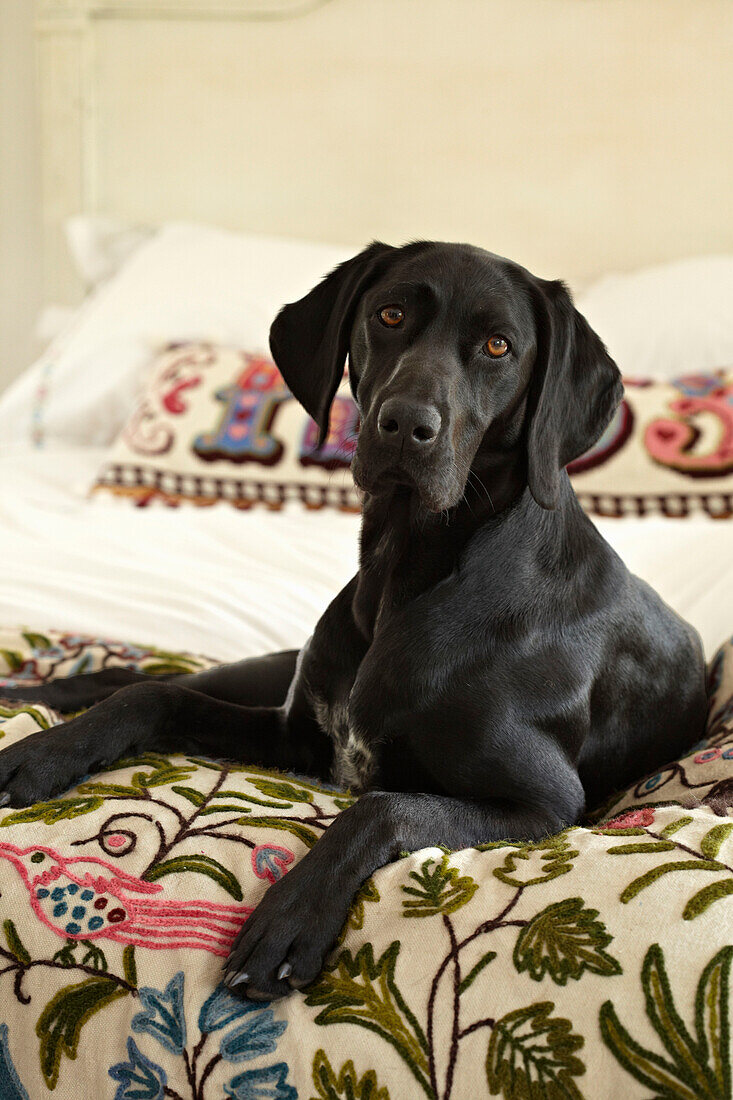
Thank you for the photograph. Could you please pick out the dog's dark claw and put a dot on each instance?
(4, 798)
(233, 978)
(284, 972)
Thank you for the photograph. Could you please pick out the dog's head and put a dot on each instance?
(458, 360)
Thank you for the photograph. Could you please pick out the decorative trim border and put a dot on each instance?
(671, 506)
(148, 485)
(145, 486)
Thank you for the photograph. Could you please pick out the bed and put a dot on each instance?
(591, 965)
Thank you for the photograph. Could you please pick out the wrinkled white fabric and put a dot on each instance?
(232, 584)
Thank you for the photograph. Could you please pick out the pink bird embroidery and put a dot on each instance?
(85, 898)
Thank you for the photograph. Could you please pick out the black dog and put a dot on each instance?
(492, 668)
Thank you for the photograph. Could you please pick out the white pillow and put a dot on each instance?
(666, 321)
(99, 246)
(187, 282)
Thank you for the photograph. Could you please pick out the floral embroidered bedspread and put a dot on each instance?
(594, 964)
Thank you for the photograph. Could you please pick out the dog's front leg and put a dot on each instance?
(162, 717)
(284, 942)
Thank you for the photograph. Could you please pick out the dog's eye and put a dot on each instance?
(496, 346)
(391, 316)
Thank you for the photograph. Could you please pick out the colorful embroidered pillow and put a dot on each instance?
(668, 450)
(218, 423)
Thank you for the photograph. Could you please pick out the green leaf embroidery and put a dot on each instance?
(638, 884)
(37, 641)
(224, 808)
(251, 798)
(38, 717)
(59, 1025)
(302, 784)
(94, 956)
(65, 955)
(442, 890)
(15, 944)
(704, 898)
(358, 990)
(673, 826)
(202, 865)
(111, 790)
(129, 966)
(194, 796)
(367, 893)
(699, 1068)
(163, 771)
(13, 659)
(278, 788)
(647, 1067)
(668, 1024)
(475, 971)
(161, 777)
(163, 668)
(532, 1056)
(347, 1085)
(712, 1017)
(58, 809)
(303, 833)
(642, 846)
(713, 840)
(564, 940)
(184, 658)
(554, 852)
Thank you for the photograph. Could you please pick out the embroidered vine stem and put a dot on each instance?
(453, 956)
(456, 1005)
(184, 828)
(22, 968)
(168, 1091)
(211, 1064)
(686, 848)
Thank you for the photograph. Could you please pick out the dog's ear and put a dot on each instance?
(309, 339)
(575, 390)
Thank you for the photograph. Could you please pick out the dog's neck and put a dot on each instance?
(406, 549)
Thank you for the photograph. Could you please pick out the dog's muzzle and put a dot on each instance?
(408, 427)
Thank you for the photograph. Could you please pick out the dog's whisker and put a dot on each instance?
(472, 473)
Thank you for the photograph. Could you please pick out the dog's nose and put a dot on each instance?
(409, 423)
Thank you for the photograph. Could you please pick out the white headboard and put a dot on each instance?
(577, 136)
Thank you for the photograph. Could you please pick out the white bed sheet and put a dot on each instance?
(231, 584)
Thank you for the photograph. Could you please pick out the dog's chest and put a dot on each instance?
(354, 764)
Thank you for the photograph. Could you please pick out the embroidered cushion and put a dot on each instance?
(668, 450)
(594, 964)
(218, 424)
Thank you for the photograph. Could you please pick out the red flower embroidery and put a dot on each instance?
(633, 819)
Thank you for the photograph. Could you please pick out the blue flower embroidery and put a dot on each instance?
(222, 1008)
(166, 1024)
(262, 1084)
(10, 1085)
(140, 1079)
(257, 1035)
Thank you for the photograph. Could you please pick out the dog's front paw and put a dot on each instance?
(36, 768)
(283, 944)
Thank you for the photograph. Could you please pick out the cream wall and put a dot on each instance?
(20, 212)
(577, 136)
